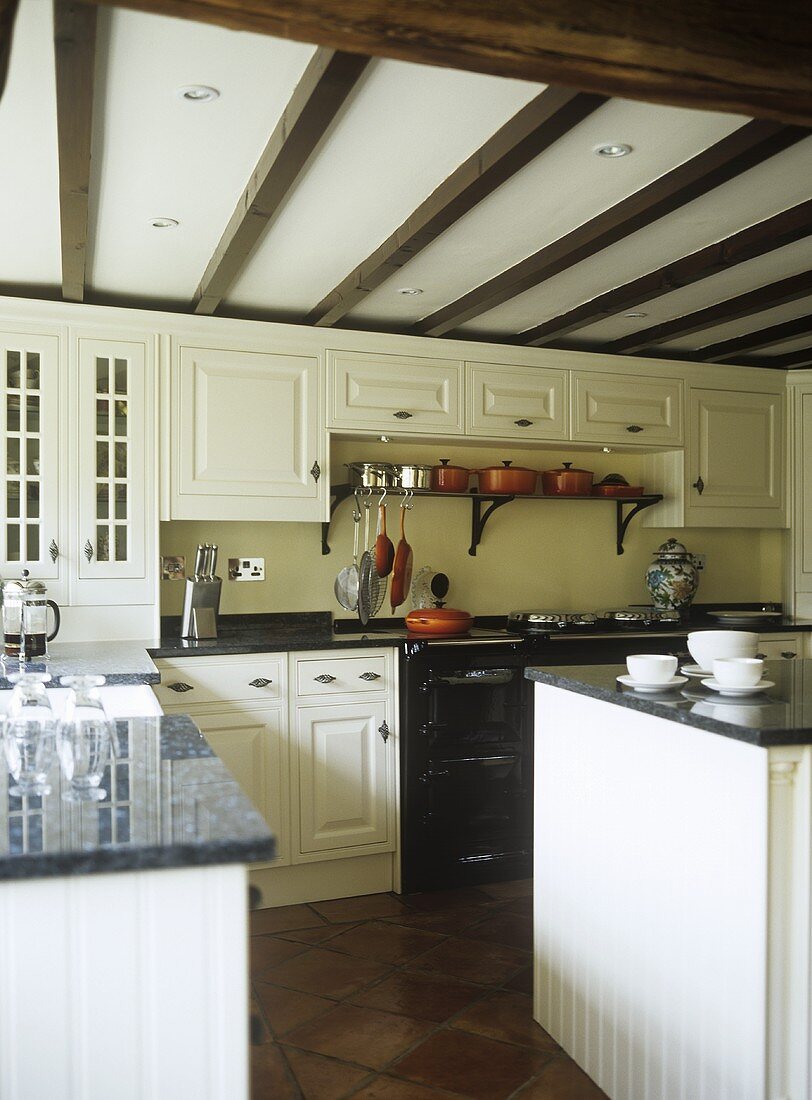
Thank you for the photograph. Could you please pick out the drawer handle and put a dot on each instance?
(180, 686)
(260, 682)
(383, 730)
(762, 656)
(634, 428)
(788, 655)
(523, 423)
(402, 415)
(325, 678)
(377, 675)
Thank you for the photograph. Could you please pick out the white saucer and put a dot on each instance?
(695, 670)
(640, 685)
(714, 685)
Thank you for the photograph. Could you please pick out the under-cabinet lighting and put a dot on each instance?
(198, 93)
(611, 150)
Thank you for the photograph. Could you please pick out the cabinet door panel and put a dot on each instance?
(32, 479)
(249, 439)
(395, 393)
(343, 778)
(619, 408)
(516, 402)
(736, 452)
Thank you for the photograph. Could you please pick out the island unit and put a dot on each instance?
(673, 846)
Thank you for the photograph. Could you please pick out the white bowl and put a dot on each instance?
(705, 645)
(738, 671)
(651, 668)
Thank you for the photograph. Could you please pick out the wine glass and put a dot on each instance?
(28, 738)
(83, 739)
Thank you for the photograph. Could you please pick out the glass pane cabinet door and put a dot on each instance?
(29, 446)
(112, 474)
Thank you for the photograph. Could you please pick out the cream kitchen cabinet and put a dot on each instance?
(775, 646)
(626, 408)
(395, 393)
(522, 403)
(247, 439)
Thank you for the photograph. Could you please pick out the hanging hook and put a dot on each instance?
(383, 495)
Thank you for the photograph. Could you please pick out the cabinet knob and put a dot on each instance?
(180, 686)
(370, 676)
(315, 471)
(88, 550)
(53, 550)
(325, 678)
(635, 428)
(699, 485)
(762, 656)
(402, 415)
(788, 655)
(522, 423)
(260, 682)
(383, 730)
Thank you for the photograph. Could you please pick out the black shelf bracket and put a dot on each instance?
(623, 522)
(337, 494)
(480, 518)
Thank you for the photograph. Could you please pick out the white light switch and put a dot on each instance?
(246, 569)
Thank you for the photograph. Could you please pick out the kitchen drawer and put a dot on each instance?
(516, 402)
(342, 675)
(221, 679)
(775, 646)
(619, 408)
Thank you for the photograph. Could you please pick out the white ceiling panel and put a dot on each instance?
(162, 156)
(790, 260)
(405, 130)
(777, 184)
(563, 187)
(801, 343)
(29, 177)
(753, 323)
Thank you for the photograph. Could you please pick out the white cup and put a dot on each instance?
(738, 671)
(651, 668)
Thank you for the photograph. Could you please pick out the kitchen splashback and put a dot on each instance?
(552, 554)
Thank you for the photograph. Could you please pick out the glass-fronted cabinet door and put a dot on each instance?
(113, 483)
(30, 469)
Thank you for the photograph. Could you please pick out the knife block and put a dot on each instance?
(201, 603)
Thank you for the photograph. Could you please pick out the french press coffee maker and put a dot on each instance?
(25, 620)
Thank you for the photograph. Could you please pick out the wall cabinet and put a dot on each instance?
(523, 403)
(403, 393)
(625, 408)
(247, 435)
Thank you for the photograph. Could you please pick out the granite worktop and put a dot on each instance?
(119, 662)
(170, 803)
(780, 715)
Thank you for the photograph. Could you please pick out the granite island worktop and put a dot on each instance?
(121, 663)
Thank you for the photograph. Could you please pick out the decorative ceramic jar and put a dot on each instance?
(672, 578)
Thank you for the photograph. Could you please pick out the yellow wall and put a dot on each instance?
(551, 554)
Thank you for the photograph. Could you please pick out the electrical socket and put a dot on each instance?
(699, 561)
(173, 568)
(246, 569)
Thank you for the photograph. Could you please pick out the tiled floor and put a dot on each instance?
(413, 997)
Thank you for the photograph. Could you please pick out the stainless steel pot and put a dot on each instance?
(372, 475)
(413, 476)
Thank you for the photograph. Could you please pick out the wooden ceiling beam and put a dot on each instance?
(753, 301)
(730, 351)
(766, 236)
(8, 10)
(325, 84)
(553, 113)
(746, 147)
(75, 60)
(721, 55)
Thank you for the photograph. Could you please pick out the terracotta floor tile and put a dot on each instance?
(316, 935)
(508, 1017)
(360, 1035)
(447, 899)
(509, 929)
(446, 921)
(258, 1029)
(322, 1078)
(390, 1088)
(264, 921)
(522, 982)
(367, 907)
(325, 973)
(561, 1079)
(518, 888)
(486, 963)
(386, 943)
(471, 1065)
(268, 951)
(285, 1009)
(422, 996)
(522, 906)
(270, 1076)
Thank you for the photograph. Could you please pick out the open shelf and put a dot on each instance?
(491, 502)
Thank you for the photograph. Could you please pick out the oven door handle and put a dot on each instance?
(476, 676)
(480, 760)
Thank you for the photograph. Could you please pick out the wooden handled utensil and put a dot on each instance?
(384, 548)
(402, 568)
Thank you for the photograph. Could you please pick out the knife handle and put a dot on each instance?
(200, 556)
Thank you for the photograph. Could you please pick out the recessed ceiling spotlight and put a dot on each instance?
(612, 149)
(410, 290)
(636, 313)
(198, 93)
(164, 223)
